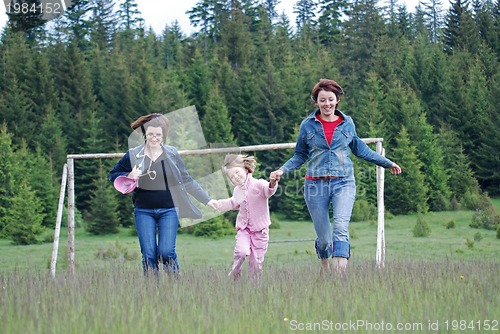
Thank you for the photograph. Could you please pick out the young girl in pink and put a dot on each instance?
(250, 197)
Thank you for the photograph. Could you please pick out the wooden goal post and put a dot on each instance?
(69, 177)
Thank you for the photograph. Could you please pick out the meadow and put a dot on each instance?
(447, 282)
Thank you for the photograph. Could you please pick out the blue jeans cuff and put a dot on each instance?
(341, 249)
(323, 253)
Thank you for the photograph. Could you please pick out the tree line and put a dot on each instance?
(427, 80)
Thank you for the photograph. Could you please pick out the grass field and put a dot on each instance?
(437, 284)
(442, 244)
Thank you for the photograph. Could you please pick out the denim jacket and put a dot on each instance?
(333, 159)
(180, 185)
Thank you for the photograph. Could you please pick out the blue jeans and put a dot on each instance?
(340, 192)
(163, 251)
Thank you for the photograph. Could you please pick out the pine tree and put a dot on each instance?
(371, 123)
(79, 23)
(462, 178)
(484, 158)
(102, 28)
(52, 141)
(35, 169)
(404, 20)
(16, 110)
(270, 7)
(23, 218)
(41, 91)
(236, 39)
(329, 21)
(406, 193)
(144, 89)
(129, 16)
(7, 168)
(305, 14)
(460, 33)
(115, 94)
(433, 11)
(246, 116)
(102, 216)
(77, 98)
(216, 122)
(436, 175)
(86, 170)
(198, 83)
(362, 29)
(209, 15)
(171, 48)
(421, 228)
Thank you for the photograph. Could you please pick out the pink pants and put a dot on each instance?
(252, 244)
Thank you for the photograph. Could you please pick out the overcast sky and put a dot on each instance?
(158, 13)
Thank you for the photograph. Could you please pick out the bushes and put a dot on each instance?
(485, 215)
(487, 218)
(213, 228)
(363, 211)
(115, 252)
(421, 228)
(450, 224)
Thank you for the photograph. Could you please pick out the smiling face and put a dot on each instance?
(237, 175)
(154, 136)
(327, 101)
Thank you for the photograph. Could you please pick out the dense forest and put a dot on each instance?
(427, 80)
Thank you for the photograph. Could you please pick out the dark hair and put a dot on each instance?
(329, 86)
(154, 120)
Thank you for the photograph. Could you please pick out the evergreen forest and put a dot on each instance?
(426, 79)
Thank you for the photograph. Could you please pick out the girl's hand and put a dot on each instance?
(276, 175)
(395, 169)
(272, 183)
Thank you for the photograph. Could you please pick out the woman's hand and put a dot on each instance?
(275, 176)
(214, 204)
(135, 173)
(395, 169)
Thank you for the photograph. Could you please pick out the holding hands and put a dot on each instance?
(275, 177)
(214, 204)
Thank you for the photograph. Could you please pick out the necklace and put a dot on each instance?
(149, 172)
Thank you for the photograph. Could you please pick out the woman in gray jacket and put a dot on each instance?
(161, 195)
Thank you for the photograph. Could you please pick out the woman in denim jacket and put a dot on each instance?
(161, 196)
(326, 138)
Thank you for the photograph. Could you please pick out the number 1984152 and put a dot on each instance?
(31, 8)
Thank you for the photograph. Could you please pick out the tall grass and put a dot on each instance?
(426, 282)
(287, 298)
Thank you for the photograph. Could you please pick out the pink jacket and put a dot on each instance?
(252, 201)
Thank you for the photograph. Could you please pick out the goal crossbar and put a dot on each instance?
(69, 178)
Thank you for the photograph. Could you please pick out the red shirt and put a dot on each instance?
(329, 127)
